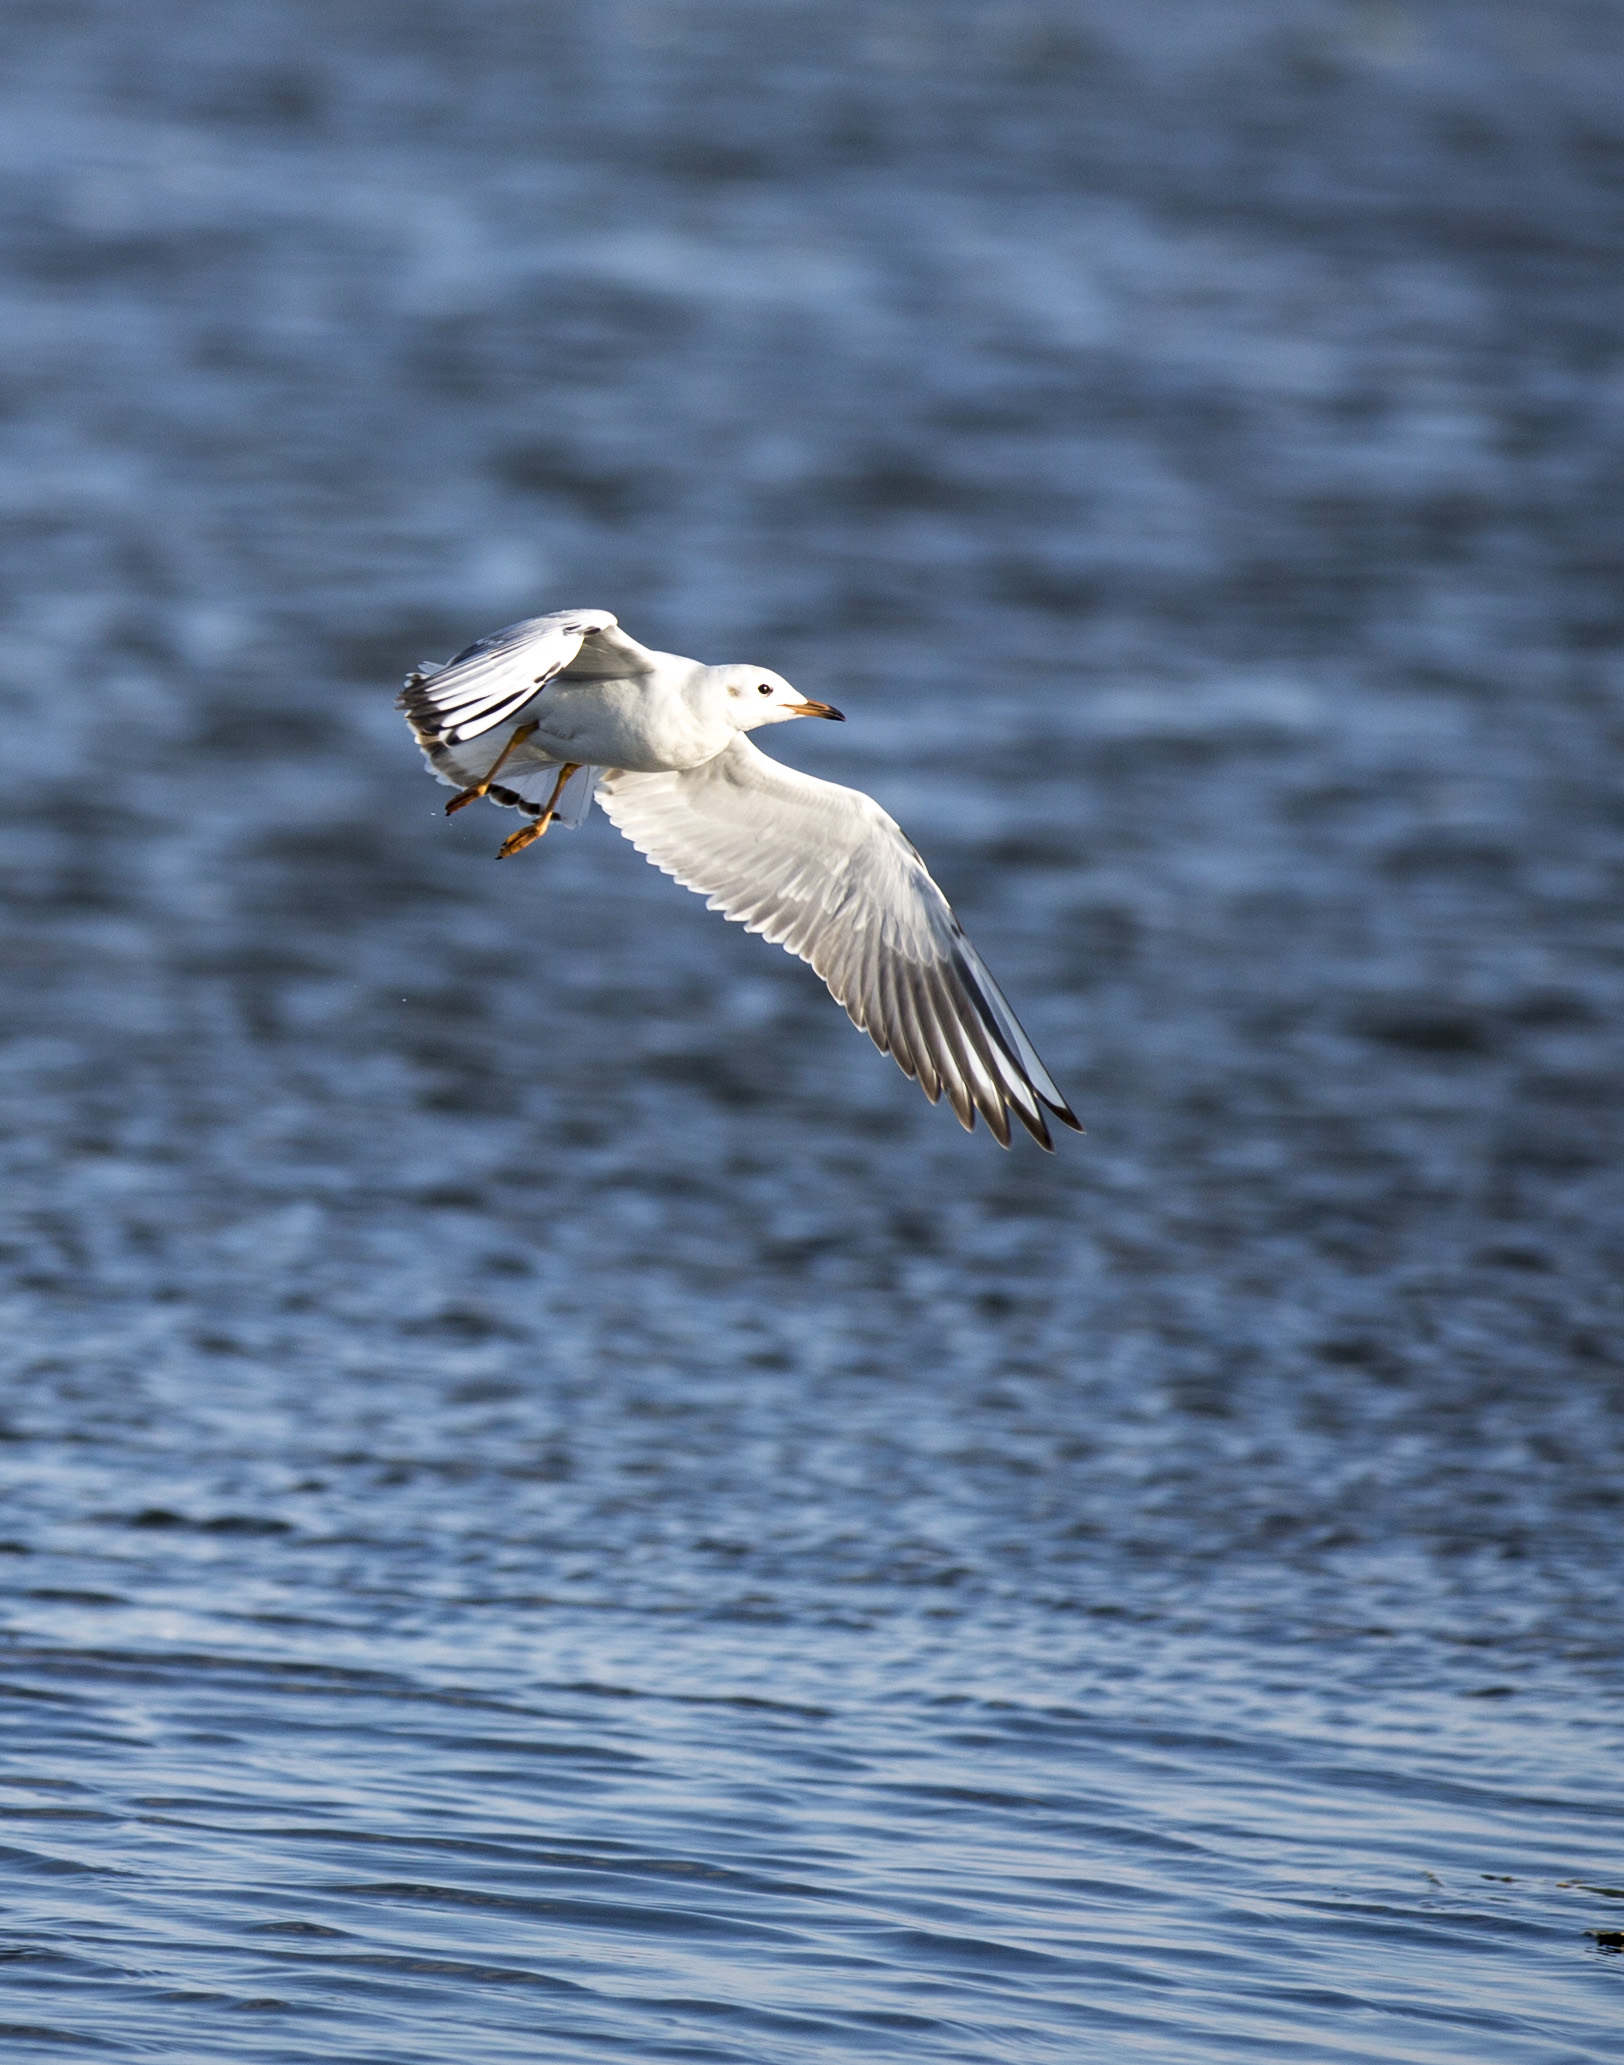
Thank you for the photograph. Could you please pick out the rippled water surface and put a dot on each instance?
(552, 1507)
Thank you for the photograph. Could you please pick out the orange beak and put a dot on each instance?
(817, 710)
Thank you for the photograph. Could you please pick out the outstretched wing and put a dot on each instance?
(823, 872)
(495, 677)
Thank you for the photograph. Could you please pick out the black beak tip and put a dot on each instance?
(836, 716)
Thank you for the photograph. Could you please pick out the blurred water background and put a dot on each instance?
(552, 1507)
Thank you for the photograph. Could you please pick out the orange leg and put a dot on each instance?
(527, 835)
(473, 795)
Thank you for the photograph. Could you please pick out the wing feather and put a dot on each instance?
(823, 872)
(902, 1024)
(943, 1048)
(987, 1093)
(978, 1027)
(492, 679)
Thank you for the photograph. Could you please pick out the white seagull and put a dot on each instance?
(814, 868)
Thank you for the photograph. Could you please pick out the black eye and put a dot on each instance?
(765, 689)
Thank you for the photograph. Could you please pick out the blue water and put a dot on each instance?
(552, 1507)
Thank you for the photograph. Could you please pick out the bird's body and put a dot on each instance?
(620, 724)
(542, 716)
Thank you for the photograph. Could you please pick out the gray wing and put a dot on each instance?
(494, 678)
(823, 872)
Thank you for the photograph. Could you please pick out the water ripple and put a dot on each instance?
(553, 1508)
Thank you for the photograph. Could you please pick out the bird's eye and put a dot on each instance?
(765, 689)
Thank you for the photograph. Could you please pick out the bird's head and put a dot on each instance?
(755, 696)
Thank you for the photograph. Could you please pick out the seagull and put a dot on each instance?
(547, 714)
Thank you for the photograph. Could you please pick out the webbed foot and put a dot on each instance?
(527, 835)
(481, 788)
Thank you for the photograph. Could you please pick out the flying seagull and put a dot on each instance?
(548, 713)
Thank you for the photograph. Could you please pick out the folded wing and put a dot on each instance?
(494, 678)
(823, 872)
